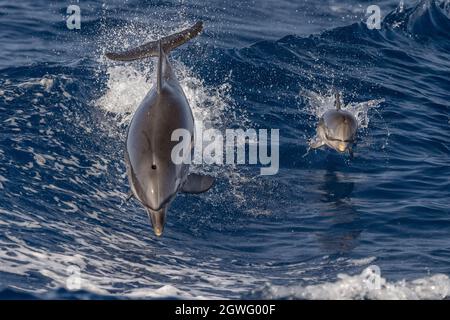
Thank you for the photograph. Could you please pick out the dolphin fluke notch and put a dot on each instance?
(151, 49)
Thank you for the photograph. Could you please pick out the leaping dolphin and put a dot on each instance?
(336, 129)
(154, 178)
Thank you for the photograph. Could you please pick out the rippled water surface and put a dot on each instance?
(318, 229)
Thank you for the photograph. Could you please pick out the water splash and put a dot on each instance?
(319, 104)
(358, 287)
(128, 84)
(126, 87)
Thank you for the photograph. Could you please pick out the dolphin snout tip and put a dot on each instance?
(342, 147)
(157, 220)
(158, 231)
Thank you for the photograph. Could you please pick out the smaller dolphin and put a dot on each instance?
(336, 129)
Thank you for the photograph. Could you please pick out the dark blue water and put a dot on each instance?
(311, 231)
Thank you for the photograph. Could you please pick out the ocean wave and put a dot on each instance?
(63, 180)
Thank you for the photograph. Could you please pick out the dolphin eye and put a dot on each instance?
(154, 166)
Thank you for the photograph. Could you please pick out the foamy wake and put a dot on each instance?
(361, 287)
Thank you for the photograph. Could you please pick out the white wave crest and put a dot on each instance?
(360, 286)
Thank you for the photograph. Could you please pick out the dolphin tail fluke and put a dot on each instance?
(197, 183)
(151, 49)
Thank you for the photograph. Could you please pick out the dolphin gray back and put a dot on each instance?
(151, 49)
(340, 125)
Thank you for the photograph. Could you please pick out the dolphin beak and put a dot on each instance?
(158, 220)
(342, 146)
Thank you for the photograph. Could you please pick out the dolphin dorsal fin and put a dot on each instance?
(150, 49)
(159, 77)
(337, 100)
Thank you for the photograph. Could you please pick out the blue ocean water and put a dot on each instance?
(316, 230)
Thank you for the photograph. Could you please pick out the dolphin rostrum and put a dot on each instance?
(154, 178)
(336, 129)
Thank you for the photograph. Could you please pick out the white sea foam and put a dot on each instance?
(101, 276)
(357, 287)
(363, 261)
(127, 86)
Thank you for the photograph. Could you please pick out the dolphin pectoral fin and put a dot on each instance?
(129, 196)
(307, 152)
(315, 143)
(197, 183)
